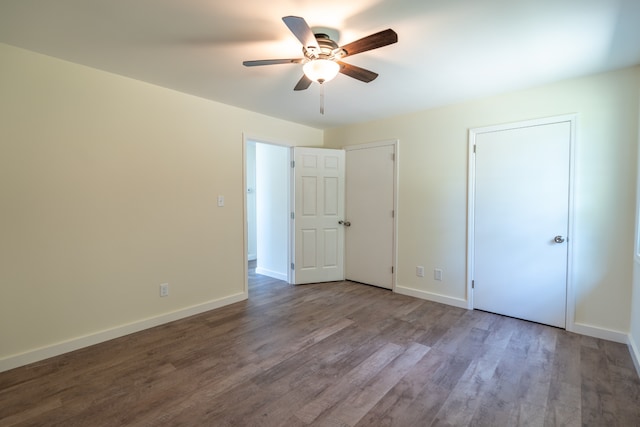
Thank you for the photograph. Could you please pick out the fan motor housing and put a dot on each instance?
(328, 49)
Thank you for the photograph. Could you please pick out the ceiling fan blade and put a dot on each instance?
(302, 31)
(272, 62)
(374, 41)
(357, 73)
(303, 83)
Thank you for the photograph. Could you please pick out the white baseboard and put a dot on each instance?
(252, 257)
(635, 352)
(598, 332)
(109, 334)
(430, 296)
(274, 274)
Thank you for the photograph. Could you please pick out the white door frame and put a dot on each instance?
(571, 118)
(245, 139)
(396, 146)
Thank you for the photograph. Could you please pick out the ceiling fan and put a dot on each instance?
(322, 56)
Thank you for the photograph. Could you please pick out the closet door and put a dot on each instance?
(521, 222)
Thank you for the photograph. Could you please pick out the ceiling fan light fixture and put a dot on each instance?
(321, 70)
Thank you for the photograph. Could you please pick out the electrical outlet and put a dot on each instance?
(437, 274)
(164, 290)
(420, 271)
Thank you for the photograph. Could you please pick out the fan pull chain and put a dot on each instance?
(321, 99)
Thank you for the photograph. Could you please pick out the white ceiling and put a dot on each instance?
(448, 50)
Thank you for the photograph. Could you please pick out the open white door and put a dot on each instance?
(318, 210)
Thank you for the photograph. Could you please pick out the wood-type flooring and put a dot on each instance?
(331, 354)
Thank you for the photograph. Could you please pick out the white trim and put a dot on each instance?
(430, 296)
(396, 188)
(274, 274)
(599, 332)
(471, 215)
(571, 118)
(112, 333)
(396, 152)
(374, 144)
(571, 298)
(292, 222)
(634, 350)
(633, 346)
(636, 252)
(245, 224)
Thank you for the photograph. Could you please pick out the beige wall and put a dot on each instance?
(108, 188)
(432, 211)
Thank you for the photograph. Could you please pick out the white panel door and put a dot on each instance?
(370, 191)
(318, 208)
(521, 222)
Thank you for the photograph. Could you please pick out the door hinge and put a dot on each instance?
(392, 269)
(393, 214)
(293, 266)
(293, 163)
(473, 284)
(474, 148)
(393, 157)
(293, 215)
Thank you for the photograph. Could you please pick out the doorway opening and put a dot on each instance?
(267, 188)
(318, 207)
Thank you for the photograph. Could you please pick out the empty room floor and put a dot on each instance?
(331, 354)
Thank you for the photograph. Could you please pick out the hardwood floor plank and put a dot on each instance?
(464, 399)
(563, 415)
(322, 367)
(331, 354)
(418, 396)
(598, 402)
(528, 415)
(564, 403)
(32, 412)
(355, 406)
(355, 378)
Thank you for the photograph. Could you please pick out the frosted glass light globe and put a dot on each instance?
(321, 70)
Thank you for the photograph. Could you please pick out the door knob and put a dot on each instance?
(558, 239)
(345, 223)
